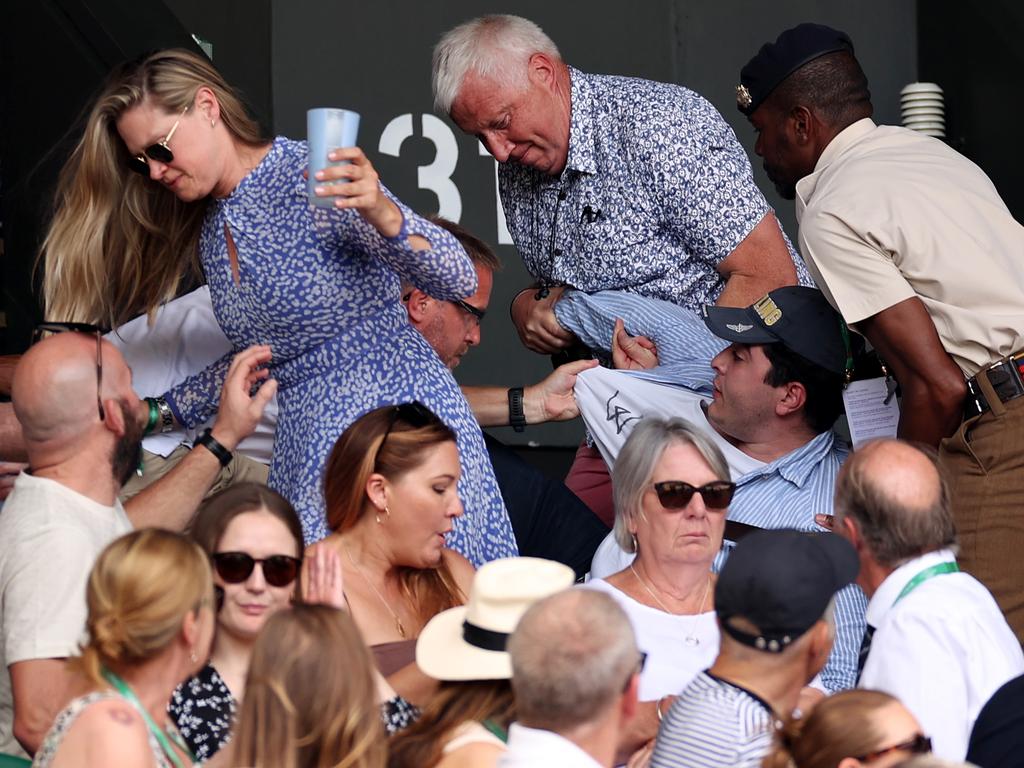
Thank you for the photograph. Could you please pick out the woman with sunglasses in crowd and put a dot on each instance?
(390, 486)
(317, 286)
(254, 540)
(150, 620)
(671, 488)
(848, 730)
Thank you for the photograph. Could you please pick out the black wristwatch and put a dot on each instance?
(208, 441)
(516, 414)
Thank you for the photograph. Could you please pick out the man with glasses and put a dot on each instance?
(547, 518)
(78, 412)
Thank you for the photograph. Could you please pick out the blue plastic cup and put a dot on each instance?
(327, 129)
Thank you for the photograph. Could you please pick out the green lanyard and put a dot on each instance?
(161, 737)
(923, 576)
(496, 730)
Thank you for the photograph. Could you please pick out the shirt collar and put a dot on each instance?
(842, 141)
(885, 596)
(525, 742)
(796, 466)
(582, 156)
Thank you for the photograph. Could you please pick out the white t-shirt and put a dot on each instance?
(671, 663)
(183, 340)
(51, 537)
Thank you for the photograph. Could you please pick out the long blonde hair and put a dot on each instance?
(139, 592)
(118, 245)
(310, 698)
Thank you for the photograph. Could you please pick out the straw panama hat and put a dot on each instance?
(468, 642)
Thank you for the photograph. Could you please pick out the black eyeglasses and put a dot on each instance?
(236, 567)
(919, 745)
(43, 329)
(159, 151)
(675, 494)
(474, 312)
(638, 669)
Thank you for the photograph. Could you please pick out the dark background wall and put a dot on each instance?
(290, 55)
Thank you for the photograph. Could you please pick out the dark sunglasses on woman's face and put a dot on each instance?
(159, 151)
(236, 567)
(675, 494)
(919, 745)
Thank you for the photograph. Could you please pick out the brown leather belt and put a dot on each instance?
(1007, 380)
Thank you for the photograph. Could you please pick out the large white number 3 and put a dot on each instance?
(437, 176)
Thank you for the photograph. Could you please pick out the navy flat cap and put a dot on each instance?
(777, 61)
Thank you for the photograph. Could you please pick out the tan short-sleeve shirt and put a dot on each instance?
(889, 214)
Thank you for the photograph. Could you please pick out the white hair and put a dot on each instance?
(496, 47)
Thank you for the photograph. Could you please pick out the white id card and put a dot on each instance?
(868, 414)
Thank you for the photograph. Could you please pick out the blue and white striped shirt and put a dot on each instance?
(714, 723)
(785, 493)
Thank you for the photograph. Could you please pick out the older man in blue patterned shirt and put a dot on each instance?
(608, 182)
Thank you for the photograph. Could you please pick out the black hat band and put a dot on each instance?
(485, 639)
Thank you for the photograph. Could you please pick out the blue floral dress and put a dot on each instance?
(321, 287)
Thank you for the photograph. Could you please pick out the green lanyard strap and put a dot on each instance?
(923, 576)
(122, 687)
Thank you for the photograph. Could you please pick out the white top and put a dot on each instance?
(889, 214)
(183, 340)
(51, 536)
(470, 732)
(943, 650)
(534, 748)
(672, 662)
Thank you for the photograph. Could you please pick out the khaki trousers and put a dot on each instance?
(985, 464)
(155, 466)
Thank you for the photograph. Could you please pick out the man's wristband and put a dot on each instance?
(207, 440)
(154, 415)
(166, 415)
(516, 414)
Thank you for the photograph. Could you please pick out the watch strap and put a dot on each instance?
(516, 414)
(208, 441)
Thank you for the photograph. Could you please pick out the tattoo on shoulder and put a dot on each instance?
(122, 716)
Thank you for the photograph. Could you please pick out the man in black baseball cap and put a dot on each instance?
(774, 600)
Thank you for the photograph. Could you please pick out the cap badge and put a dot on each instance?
(768, 311)
(739, 327)
(743, 96)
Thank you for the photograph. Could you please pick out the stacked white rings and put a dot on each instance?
(923, 109)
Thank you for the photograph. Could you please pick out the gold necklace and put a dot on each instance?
(690, 638)
(398, 622)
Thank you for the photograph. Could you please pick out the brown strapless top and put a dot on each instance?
(391, 657)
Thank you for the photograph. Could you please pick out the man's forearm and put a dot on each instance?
(7, 365)
(927, 415)
(490, 405)
(171, 501)
(12, 443)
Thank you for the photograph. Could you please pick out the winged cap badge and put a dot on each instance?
(743, 96)
(739, 327)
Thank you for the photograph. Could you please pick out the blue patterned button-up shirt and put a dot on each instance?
(656, 192)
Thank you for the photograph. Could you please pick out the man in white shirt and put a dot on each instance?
(74, 399)
(575, 674)
(912, 243)
(936, 639)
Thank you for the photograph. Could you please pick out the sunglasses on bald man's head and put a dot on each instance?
(159, 151)
(675, 494)
(46, 329)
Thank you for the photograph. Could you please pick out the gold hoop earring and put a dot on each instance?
(636, 544)
(387, 515)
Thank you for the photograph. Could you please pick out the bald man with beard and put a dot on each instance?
(83, 440)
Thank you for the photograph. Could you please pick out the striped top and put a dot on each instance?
(714, 723)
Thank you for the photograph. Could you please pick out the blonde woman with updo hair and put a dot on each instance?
(173, 179)
(390, 487)
(150, 623)
(310, 696)
(848, 730)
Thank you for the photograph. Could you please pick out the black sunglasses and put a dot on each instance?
(475, 312)
(414, 413)
(159, 151)
(43, 329)
(919, 745)
(236, 567)
(675, 494)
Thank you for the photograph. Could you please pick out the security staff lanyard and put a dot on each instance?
(161, 737)
(923, 576)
